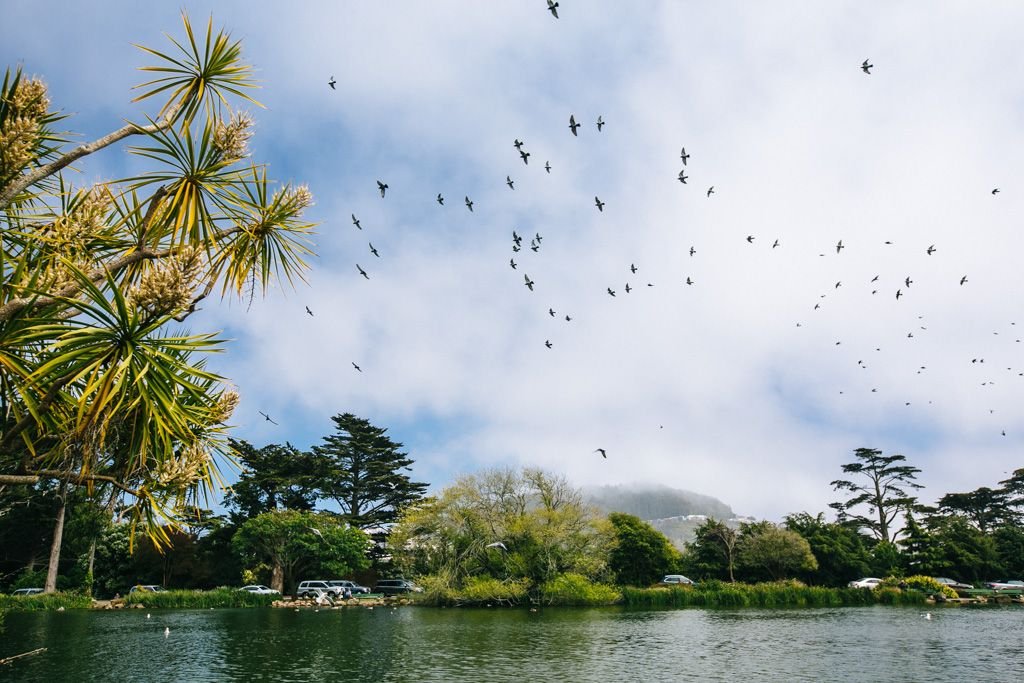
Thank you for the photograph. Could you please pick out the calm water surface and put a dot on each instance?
(425, 644)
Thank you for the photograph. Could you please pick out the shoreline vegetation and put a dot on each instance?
(565, 591)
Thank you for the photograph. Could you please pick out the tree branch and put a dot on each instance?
(73, 477)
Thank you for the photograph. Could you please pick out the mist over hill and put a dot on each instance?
(674, 512)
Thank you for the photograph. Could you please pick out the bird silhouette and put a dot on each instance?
(963, 280)
(908, 281)
(547, 166)
(516, 237)
(839, 246)
(611, 292)
(309, 311)
(599, 204)
(469, 203)
(628, 288)
(995, 191)
(537, 237)
(572, 124)
(508, 181)
(568, 319)
(602, 452)
(684, 156)
(866, 68)
(497, 544)
(373, 250)
(775, 244)
(547, 343)
(512, 262)
(682, 177)
(525, 156)
(440, 199)
(600, 124)
(551, 312)
(632, 268)
(518, 144)
(383, 187)
(356, 367)
(534, 246)
(362, 272)
(331, 83)
(711, 190)
(355, 222)
(692, 251)
(688, 280)
(750, 238)
(267, 417)
(553, 8)
(899, 293)
(874, 279)
(931, 250)
(529, 282)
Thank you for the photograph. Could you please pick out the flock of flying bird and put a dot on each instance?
(536, 242)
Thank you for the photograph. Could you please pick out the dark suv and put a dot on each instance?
(396, 586)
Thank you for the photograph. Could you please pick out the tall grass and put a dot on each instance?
(574, 589)
(45, 601)
(195, 599)
(775, 594)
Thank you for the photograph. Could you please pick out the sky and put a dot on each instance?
(753, 384)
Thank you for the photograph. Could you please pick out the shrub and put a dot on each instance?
(45, 601)
(925, 584)
(575, 589)
(196, 599)
(772, 594)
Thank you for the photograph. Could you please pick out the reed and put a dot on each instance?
(773, 594)
(45, 601)
(196, 599)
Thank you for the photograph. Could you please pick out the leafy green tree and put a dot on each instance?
(1013, 493)
(881, 485)
(765, 550)
(291, 542)
(961, 551)
(712, 554)
(273, 478)
(505, 524)
(841, 552)
(1009, 545)
(985, 508)
(642, 554)
(98, 384)
(359, 469)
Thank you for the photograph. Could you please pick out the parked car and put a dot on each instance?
(149, 588)
(28, 591)
(675, 580)
(312, 589)
(349, 586)
(955, 585)
(396, 586)
(259, 590)
(866, 583)
(1006, 584)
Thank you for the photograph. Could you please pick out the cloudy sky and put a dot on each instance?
(755, 383)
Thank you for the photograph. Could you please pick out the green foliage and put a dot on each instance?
(29, 578)
(474, 591)
(712, 555)
(195, 599)
(359, 468)
(575, 589)
(774, 594)
(919, 582)
(45, 601)
(642, 554)
(273, 478)
(880, 485)
(292, 542)
(841, 552)
(764, 549)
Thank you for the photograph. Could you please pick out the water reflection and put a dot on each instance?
(419, 644)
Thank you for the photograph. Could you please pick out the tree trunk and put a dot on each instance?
(92, 564)
(58, 535)
(277, 577)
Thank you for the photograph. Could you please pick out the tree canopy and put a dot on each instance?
(881, 485)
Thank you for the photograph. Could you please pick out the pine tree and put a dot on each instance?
(883, 492)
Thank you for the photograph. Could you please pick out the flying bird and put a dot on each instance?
(775, 244)
(866, 68)
(537, 237)
(930, 250)
(684, 156)
(611, 292)
(362, 272)
(547, 343)
(497, 544)
(602, 452)
(600, 124)
(839, 246)
(469, 203)
(516, 237)
(512, 262)
(908, 281)
(553, 8)
(568, 319)
(963, 280)
(551, 312)
(995, 191)
(383, 187)
(355, 222)
(688, 280)
(373, 250)
(508, 181)
(692, 251)
(309, 311)
(440, 199)
(899, 293)
(711, 190)
(529, 282)
(750, 238)
(628, 288)
(599, 204)
(572, 124)
(357, 367)
(632, 268)
(534, 246)
(547, 166)
(518, 144)
(267, 417)
(525, 156)
(682, 177)
(331, 83)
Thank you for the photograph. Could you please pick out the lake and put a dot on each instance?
(879, 643)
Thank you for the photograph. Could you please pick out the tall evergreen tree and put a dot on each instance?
(359, 469)
(881, 485)
(274, 478)
(986, 508)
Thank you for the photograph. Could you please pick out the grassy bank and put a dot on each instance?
(777, 594)
(195, 599)
(45, 601)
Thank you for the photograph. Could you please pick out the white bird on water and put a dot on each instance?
(167, 631)
(928, 616)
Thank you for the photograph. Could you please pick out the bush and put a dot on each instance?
(925, 584)
(575, 589)
(196, 599)
(772, 594)
(45, 601)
